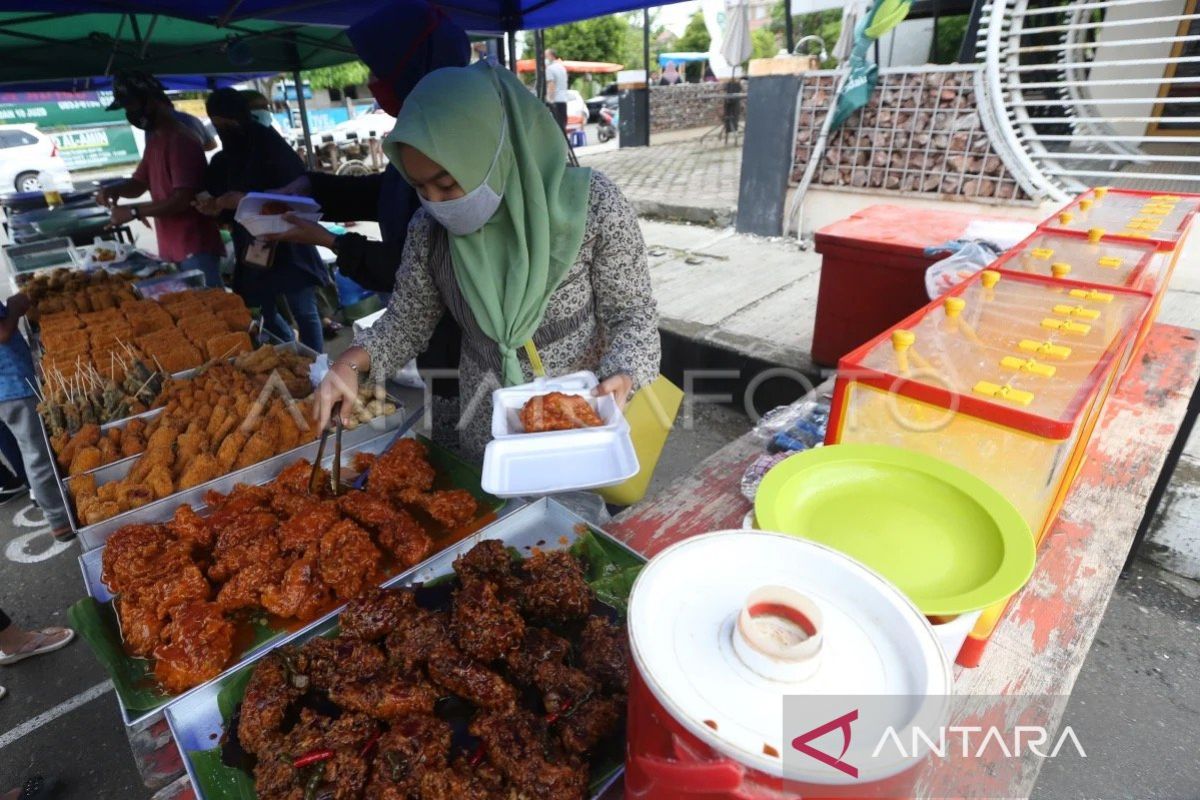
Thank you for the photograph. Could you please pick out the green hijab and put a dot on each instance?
(508, 269)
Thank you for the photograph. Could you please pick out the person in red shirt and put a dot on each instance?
(172, 170)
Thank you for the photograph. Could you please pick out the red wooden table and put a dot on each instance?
(1042, 640)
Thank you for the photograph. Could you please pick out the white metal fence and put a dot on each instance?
(1093, 91)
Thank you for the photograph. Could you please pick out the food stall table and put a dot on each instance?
(1040, 644)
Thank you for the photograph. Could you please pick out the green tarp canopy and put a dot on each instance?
(46, 47)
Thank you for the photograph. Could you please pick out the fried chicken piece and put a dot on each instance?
(188, 526)
(85, 460)
(247, 540)
(109, 451)
(563, 687)
(416, 637)
(596, 719)
(364, 461)
(266, 701)
(163, 437)
(137, 553)
(538, 647)
(81, 487)
(94, 510)
(140, 626)
(230, 449)
(395, 529)
(160, 483)
(413, 746)
(517, 744)
(175, 585)
(463, 782)
(328, 662)
(489, 560)
(133, 495)
(401, 466)
(244, 589)
(349, 561)
(132, 444)
(485, 627)
(455, 672)
(197, 644)
(385, 697)
(188, 446)
(375, 614)
(294, 478)
(555, 589)
(300, 594)
(202, 469)
(604, 653)
(304, 529)
(451, 507)
(260, 446)
(243, 499)
(558, 412)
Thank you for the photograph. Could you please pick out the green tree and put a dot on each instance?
(695, 39)
(338, 76)
(950, 33)
(631, 53)
(596, 39)
(764, 44)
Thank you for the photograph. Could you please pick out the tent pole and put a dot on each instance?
(512, 51)
(309, 156)
(539, 57)
(788, 34)
(646, 64)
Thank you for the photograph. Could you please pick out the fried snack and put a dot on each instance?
(228, 344)
(202, 469)
(558, 412)
(197, 644)
(85, 460)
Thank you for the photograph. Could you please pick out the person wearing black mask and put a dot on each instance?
(172, 170)
(254, 158)
(400, 44)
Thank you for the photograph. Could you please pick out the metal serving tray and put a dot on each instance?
(194, 718)
(154, 288)
(91, 564)
(93, 536)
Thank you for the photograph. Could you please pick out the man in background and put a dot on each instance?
(172, 170)
(556, 87)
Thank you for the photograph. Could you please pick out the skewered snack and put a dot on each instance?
(558, 412)
(217, 421)
(357, 712)
(83, 395)
(275, 548)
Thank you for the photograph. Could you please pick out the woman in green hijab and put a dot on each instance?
(528, 254)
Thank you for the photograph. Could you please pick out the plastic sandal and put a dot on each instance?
(6, 660)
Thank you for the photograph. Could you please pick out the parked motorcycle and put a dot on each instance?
(606, 129)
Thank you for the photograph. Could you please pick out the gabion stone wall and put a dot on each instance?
(920, 132)
(687, 105)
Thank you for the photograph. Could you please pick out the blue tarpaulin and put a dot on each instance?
(474, 15)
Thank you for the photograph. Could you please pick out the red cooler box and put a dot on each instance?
(873, 272)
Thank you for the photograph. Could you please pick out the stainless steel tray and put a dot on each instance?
(91, 563)
(93, 536)
(153, 288)
(194, 718)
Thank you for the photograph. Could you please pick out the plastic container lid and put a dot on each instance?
(1111, 262)
(1160, 218)
(895, 230)
(570, 461)
(688, 617)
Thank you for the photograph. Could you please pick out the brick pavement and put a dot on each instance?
(678, 179)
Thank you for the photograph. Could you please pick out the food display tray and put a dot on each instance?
(91, 565)
(154, 288)
(93, 536)
(196, 720)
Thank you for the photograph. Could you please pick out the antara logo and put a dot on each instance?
(801, 743)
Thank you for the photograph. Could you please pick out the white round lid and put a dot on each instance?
(684, 616)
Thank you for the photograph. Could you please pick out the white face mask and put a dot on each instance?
(469, 213)
(262, 117)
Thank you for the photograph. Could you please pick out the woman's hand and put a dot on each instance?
(303, 231)
(229, 201)
(339, 385)
(619, 386)
(301, 185)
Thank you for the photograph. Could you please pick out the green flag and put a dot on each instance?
(864, 74)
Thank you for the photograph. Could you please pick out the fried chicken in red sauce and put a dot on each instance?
(558, 412)
(554, 589)
(196, 646)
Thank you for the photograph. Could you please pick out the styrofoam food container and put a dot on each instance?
(257, 224)
(508, 402)
(589, 458)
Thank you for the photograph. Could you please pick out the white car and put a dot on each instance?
(25, 155)
(375, 122)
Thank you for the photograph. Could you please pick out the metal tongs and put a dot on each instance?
(335, 471)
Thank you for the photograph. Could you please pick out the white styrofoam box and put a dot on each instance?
(589, 458)
(258, 224)
(953, 633)
(508, 402)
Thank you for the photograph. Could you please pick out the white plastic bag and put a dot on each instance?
(969, 258)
